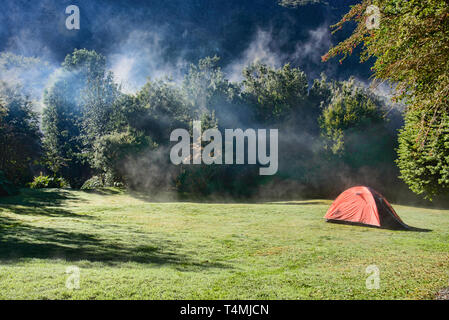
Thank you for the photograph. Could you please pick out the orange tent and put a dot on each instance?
(364, 206)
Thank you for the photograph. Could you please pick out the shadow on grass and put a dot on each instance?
(407, 228)
(36, 202)
(20, 240)
(104, 191)
(415, 229)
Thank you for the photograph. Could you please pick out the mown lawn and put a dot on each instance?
(129, 247)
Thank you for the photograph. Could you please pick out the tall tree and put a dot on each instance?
(161, 107)
(354, 127)
(275, 93)
(62, 127)
(96, 89)
(411, 47)
(78, 111)
(19, 134)
(207, 89)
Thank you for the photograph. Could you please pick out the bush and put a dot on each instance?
(102, 181)
(230, 180)
(93, 183)
(6, 187)
(424, 156)
(41, 182)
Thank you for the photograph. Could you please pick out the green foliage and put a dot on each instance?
(160, 107)
(62, 127)
(219, 180)
(352, 111)
(320, 93)
(90, 64)
(98, 94)
(274, 94)
(359, 142)
(79, 107)
(96, 136)
(111, 150)
(424, 164)
(356, 134)
(411, 48)
(20, 139)
(42, 182)
(212, 180)
(204, 83)
(101, 181)
(206, 89)
(141, 124)
(94, 183)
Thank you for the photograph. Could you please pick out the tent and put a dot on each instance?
(364, 206)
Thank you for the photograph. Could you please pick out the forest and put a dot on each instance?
(90, 133)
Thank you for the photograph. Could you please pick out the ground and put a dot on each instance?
(127, 246)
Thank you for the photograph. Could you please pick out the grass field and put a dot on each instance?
(128, 247)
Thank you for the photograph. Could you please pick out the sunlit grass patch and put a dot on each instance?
(129, 248)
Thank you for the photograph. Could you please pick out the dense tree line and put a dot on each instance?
(332, 134)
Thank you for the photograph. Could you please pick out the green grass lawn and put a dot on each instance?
(129, 247)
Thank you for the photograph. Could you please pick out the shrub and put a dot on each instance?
(229, 180)
(41, 182)
(93, 183)
(424, 155)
